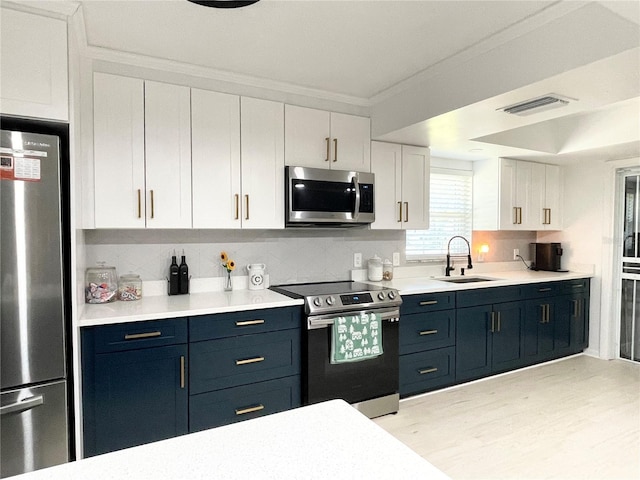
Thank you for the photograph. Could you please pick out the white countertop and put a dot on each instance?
(164, 306)
(329, 440)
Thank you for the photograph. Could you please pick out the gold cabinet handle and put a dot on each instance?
(515, 215)
(243, 411)
(428, 332)
(493, 322)
(427, 370)
(542, 313)
(406, 211)
(547, 216)
(244, 323)
(519, 215)
(327, 139)
(246, 213)
(247, 361)
(152, 206)
(428, 302)
(182, 371)
(138, 336)
(237, 203)
(335, 149)
(399, 212)
(139, 203)
(544, 290)
(499, 321)
(575, 308)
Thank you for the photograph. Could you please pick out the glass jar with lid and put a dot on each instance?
(129, 287)
(101, 284)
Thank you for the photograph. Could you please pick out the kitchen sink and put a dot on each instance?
(466, 279)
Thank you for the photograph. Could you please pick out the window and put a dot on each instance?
(450, 213)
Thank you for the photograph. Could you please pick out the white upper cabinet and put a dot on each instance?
(118, 151)
(262, 159)
(33, 66)
(167, 133)
(320, 139)
(402, 186)
(516, 195)
(142, 153)
(215, 159)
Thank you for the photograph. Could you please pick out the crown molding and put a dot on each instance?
(61, 9)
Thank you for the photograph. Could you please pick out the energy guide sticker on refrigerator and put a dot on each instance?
(34, 398)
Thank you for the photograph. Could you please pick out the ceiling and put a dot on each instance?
(371, 53)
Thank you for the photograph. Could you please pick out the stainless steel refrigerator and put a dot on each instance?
(34, 424)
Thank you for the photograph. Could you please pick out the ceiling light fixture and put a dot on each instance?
(224, 3)
(536, 105)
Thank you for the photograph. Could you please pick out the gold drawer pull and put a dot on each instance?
(137, 336)
(243, 411)
(427, 370)
(247, 361)
(327, 139)
(244, 323)
(430, 302)
(428, 332)
(544, 290)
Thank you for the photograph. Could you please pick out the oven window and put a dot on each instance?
(322, 196)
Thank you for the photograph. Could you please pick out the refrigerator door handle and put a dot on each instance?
(22, 405)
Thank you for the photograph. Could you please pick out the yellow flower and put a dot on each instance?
(231, 265)
(223, 257)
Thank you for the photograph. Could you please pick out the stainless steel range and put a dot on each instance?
(369, 383)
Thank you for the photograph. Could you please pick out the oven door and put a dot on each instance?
(352, 381)
(317, 196)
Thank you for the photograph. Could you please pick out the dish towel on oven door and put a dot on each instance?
(356, 337)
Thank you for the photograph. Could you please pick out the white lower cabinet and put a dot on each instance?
(142, 153)
(402, 186)
(33, 66)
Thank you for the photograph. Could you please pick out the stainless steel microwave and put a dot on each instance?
(318, 197)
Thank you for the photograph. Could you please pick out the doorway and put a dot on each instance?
(629, 339)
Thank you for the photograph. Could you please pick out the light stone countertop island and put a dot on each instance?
(329, 440)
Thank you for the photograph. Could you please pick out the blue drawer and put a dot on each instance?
(579, 285)
(229, 362)
(136, 335)
(427, 302)
(488, 296)
(208, 327)
(426, 331)
(231, 405)
(541, 290)
(424, 371)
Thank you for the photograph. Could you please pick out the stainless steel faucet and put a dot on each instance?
(450, 266)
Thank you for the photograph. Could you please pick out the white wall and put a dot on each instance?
(589, 239)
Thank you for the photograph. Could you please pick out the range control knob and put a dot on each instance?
(392, 295)
(381, 296)
(317, 302)
(330, 300)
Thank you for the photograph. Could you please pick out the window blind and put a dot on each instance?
(450, 214)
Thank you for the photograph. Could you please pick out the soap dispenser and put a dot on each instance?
(184, 275)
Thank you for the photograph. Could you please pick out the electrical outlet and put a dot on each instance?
(516, 253)
(396, 259)
(357, 260)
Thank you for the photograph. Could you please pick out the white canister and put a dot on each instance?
(374, 270)
(256, 276)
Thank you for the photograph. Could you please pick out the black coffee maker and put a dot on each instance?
(546, 256)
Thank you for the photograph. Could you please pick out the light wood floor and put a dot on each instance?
(574, 418)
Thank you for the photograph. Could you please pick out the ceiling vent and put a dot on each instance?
(536, 105)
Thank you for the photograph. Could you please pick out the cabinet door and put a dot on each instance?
(262, 151)
(473, 342)
(307, 137)
(386, 164)
(350, 142)
(415, 187)
(528, 196)
(508, 203)
(168, 155)
(140, 396)
(33, 66)
(552, 198)
(118, 151)
(579, 306)
(537, 334)
(507, 325)
(215, 159)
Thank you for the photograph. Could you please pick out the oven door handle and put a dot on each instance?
(323, 321)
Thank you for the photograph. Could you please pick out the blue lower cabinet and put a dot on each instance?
(230, 405)
(134, 397)
(424, 371)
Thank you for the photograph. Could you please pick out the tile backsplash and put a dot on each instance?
(290, 255)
